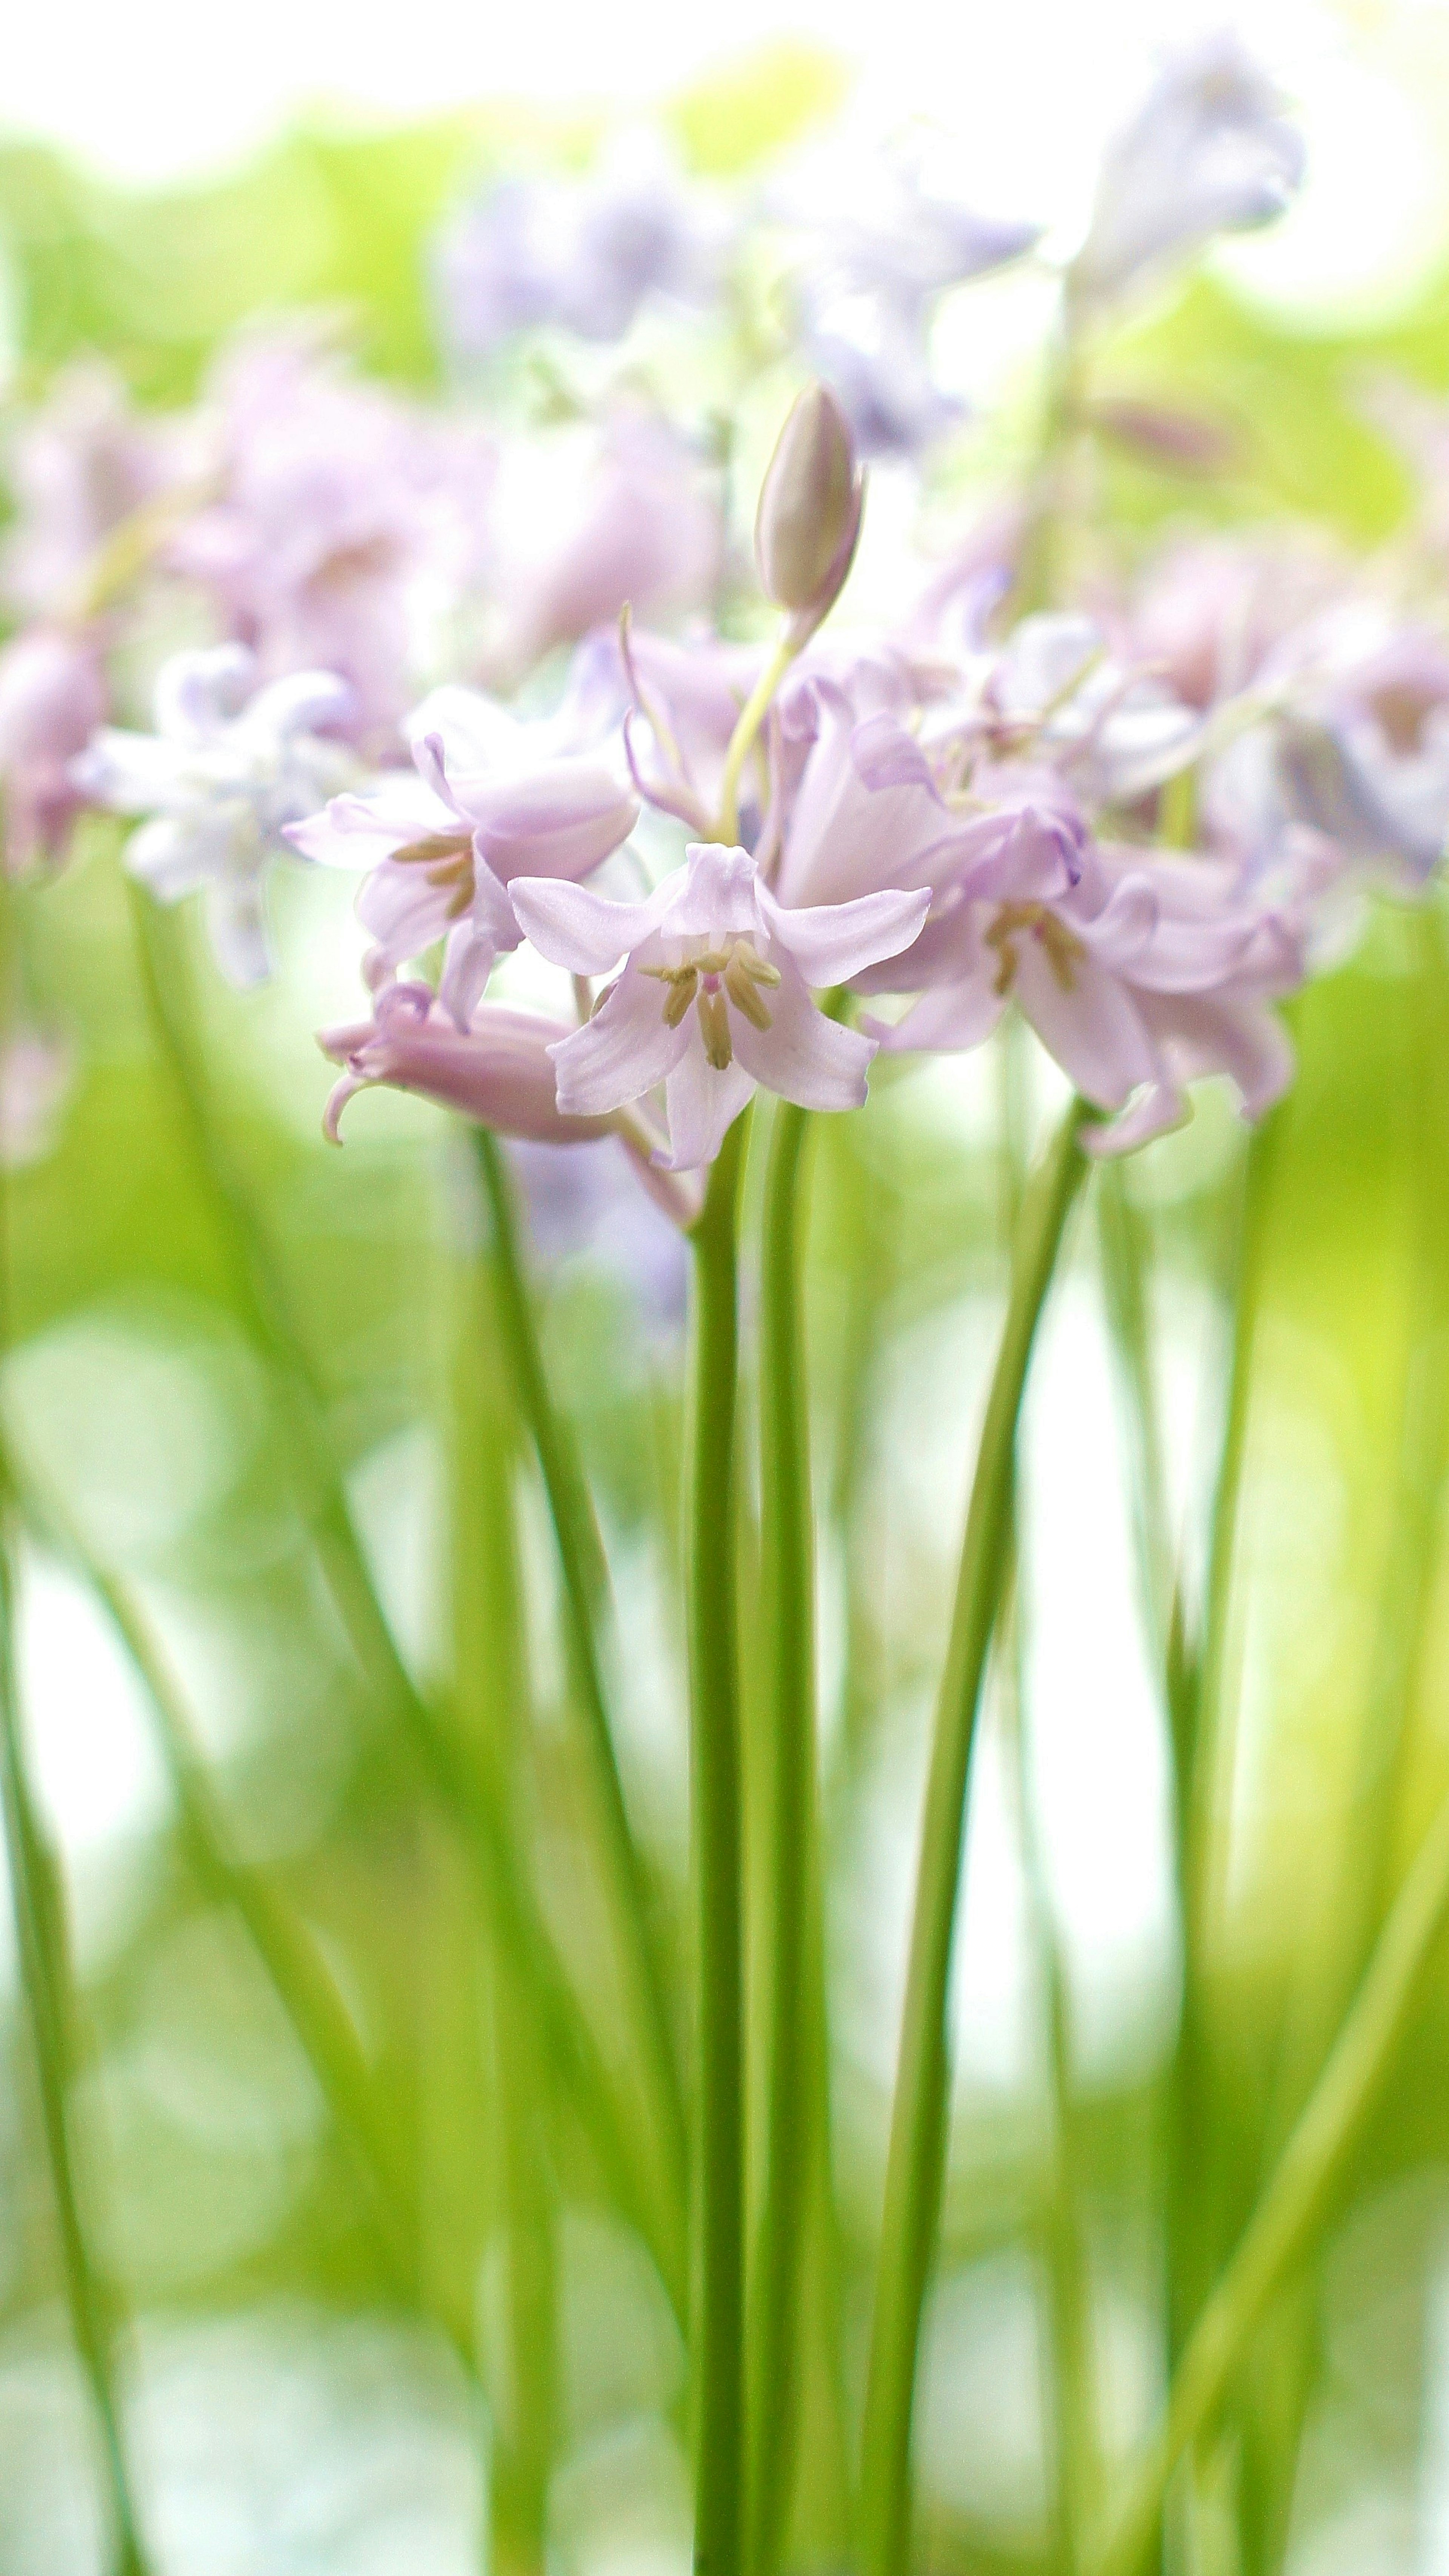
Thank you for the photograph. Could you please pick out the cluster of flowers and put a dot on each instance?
(1141, 826)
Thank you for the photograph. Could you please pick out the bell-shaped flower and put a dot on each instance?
(227, 769)
(1210, 151)
(714, 994)
(497, 1071)
(443, 841)
(52, 697)
(1137, 972)
(1112, 731)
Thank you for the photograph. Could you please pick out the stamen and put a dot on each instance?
(434, 846)
(1064, 951)
(744, 991)
(714, 1020)
(682, 990)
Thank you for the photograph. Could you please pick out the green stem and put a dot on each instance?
(787, 1547)
(453, 1778)
(43, 1950)
(917, 2146)
(742, 740)
(585, 1584)
(715, 1767)
(1297, 2199)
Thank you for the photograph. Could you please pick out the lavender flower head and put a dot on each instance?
(227, 768)
(78, 468)
(581, 255)
(1210, 151)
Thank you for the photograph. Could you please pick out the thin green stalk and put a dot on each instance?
(787, 1547)
(585, 1584)
(1298, 2197)
(918, 2124)
(715, 1768)
(453, 1778)
(742, 740)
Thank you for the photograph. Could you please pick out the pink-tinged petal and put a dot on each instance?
(1124, 929)
(575, 928)
(702, 1103)
(1235, 1034)
(1021, 854)
(402, 911)
(432, 770)
(830, 942)
(561, 821)
(885, 755)
(497, 1073)
(468, 962)
(303, 702)
(492, 910)
(1158, 1108)
(945, 1022)
(715, 895)
(1092, 1026)
(847, 837)
(362, 831)
(802, 1055)
(622, 1052)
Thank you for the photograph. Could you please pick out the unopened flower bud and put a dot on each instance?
(808, 520)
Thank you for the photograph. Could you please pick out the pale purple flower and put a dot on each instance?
(1138, 972)
(228, 767)
(589, 525)
(583, 255)
(497, 1071)
(52, 697)
(1210, 614)
(1210, 151)
(868, 283)
(442, 841)
(77, 468)
(1115, 732)
(348, 527)
(714, 994)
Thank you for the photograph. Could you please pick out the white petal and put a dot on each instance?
(575, 928)
(802, 1055)
(702, 1103)
(624, 1050)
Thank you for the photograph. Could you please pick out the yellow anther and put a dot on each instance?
(434, 846)
(748, 956)
(744, 992)
(714, 1020)
(682, 990)
(1064, 951)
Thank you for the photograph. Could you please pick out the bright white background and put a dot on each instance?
(160, 89)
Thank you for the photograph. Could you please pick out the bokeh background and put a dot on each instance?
(163, 176)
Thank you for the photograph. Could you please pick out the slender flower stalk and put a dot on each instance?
(746, 733)
(795, 1971)
(1297, 2199)
(504, 1888)
(585, 1582)
(718, 2270)
(918, 2123)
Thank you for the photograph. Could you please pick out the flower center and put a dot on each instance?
(734, 971)
(1064, 951)
(447, 859)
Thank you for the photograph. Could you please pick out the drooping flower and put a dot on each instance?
(1138, 972)
(497, 1071)
(228, 767)
(583, 255)
(52, 697)
(347, 527)
(442, 841)
(1209, 151)
(714, 995)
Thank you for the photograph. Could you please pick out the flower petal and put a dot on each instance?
(830, 942)
(701, 1103)
(802, 1055)
(573, 927)
(1092, 1027)
(622, 1052)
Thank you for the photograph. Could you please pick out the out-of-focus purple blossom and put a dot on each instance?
(37, 1068)
(52, 697)
(635, 522)
(866, 289)
(228, 767)
(1139, 973)
(489, 798)
(348, 526)
(1115, 732)
(713, 996)
(584, 1204)
(1212, 612)
(583, 254)
(77, 468)
(1209, 151)
(1353, 750)
(497, 1071)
